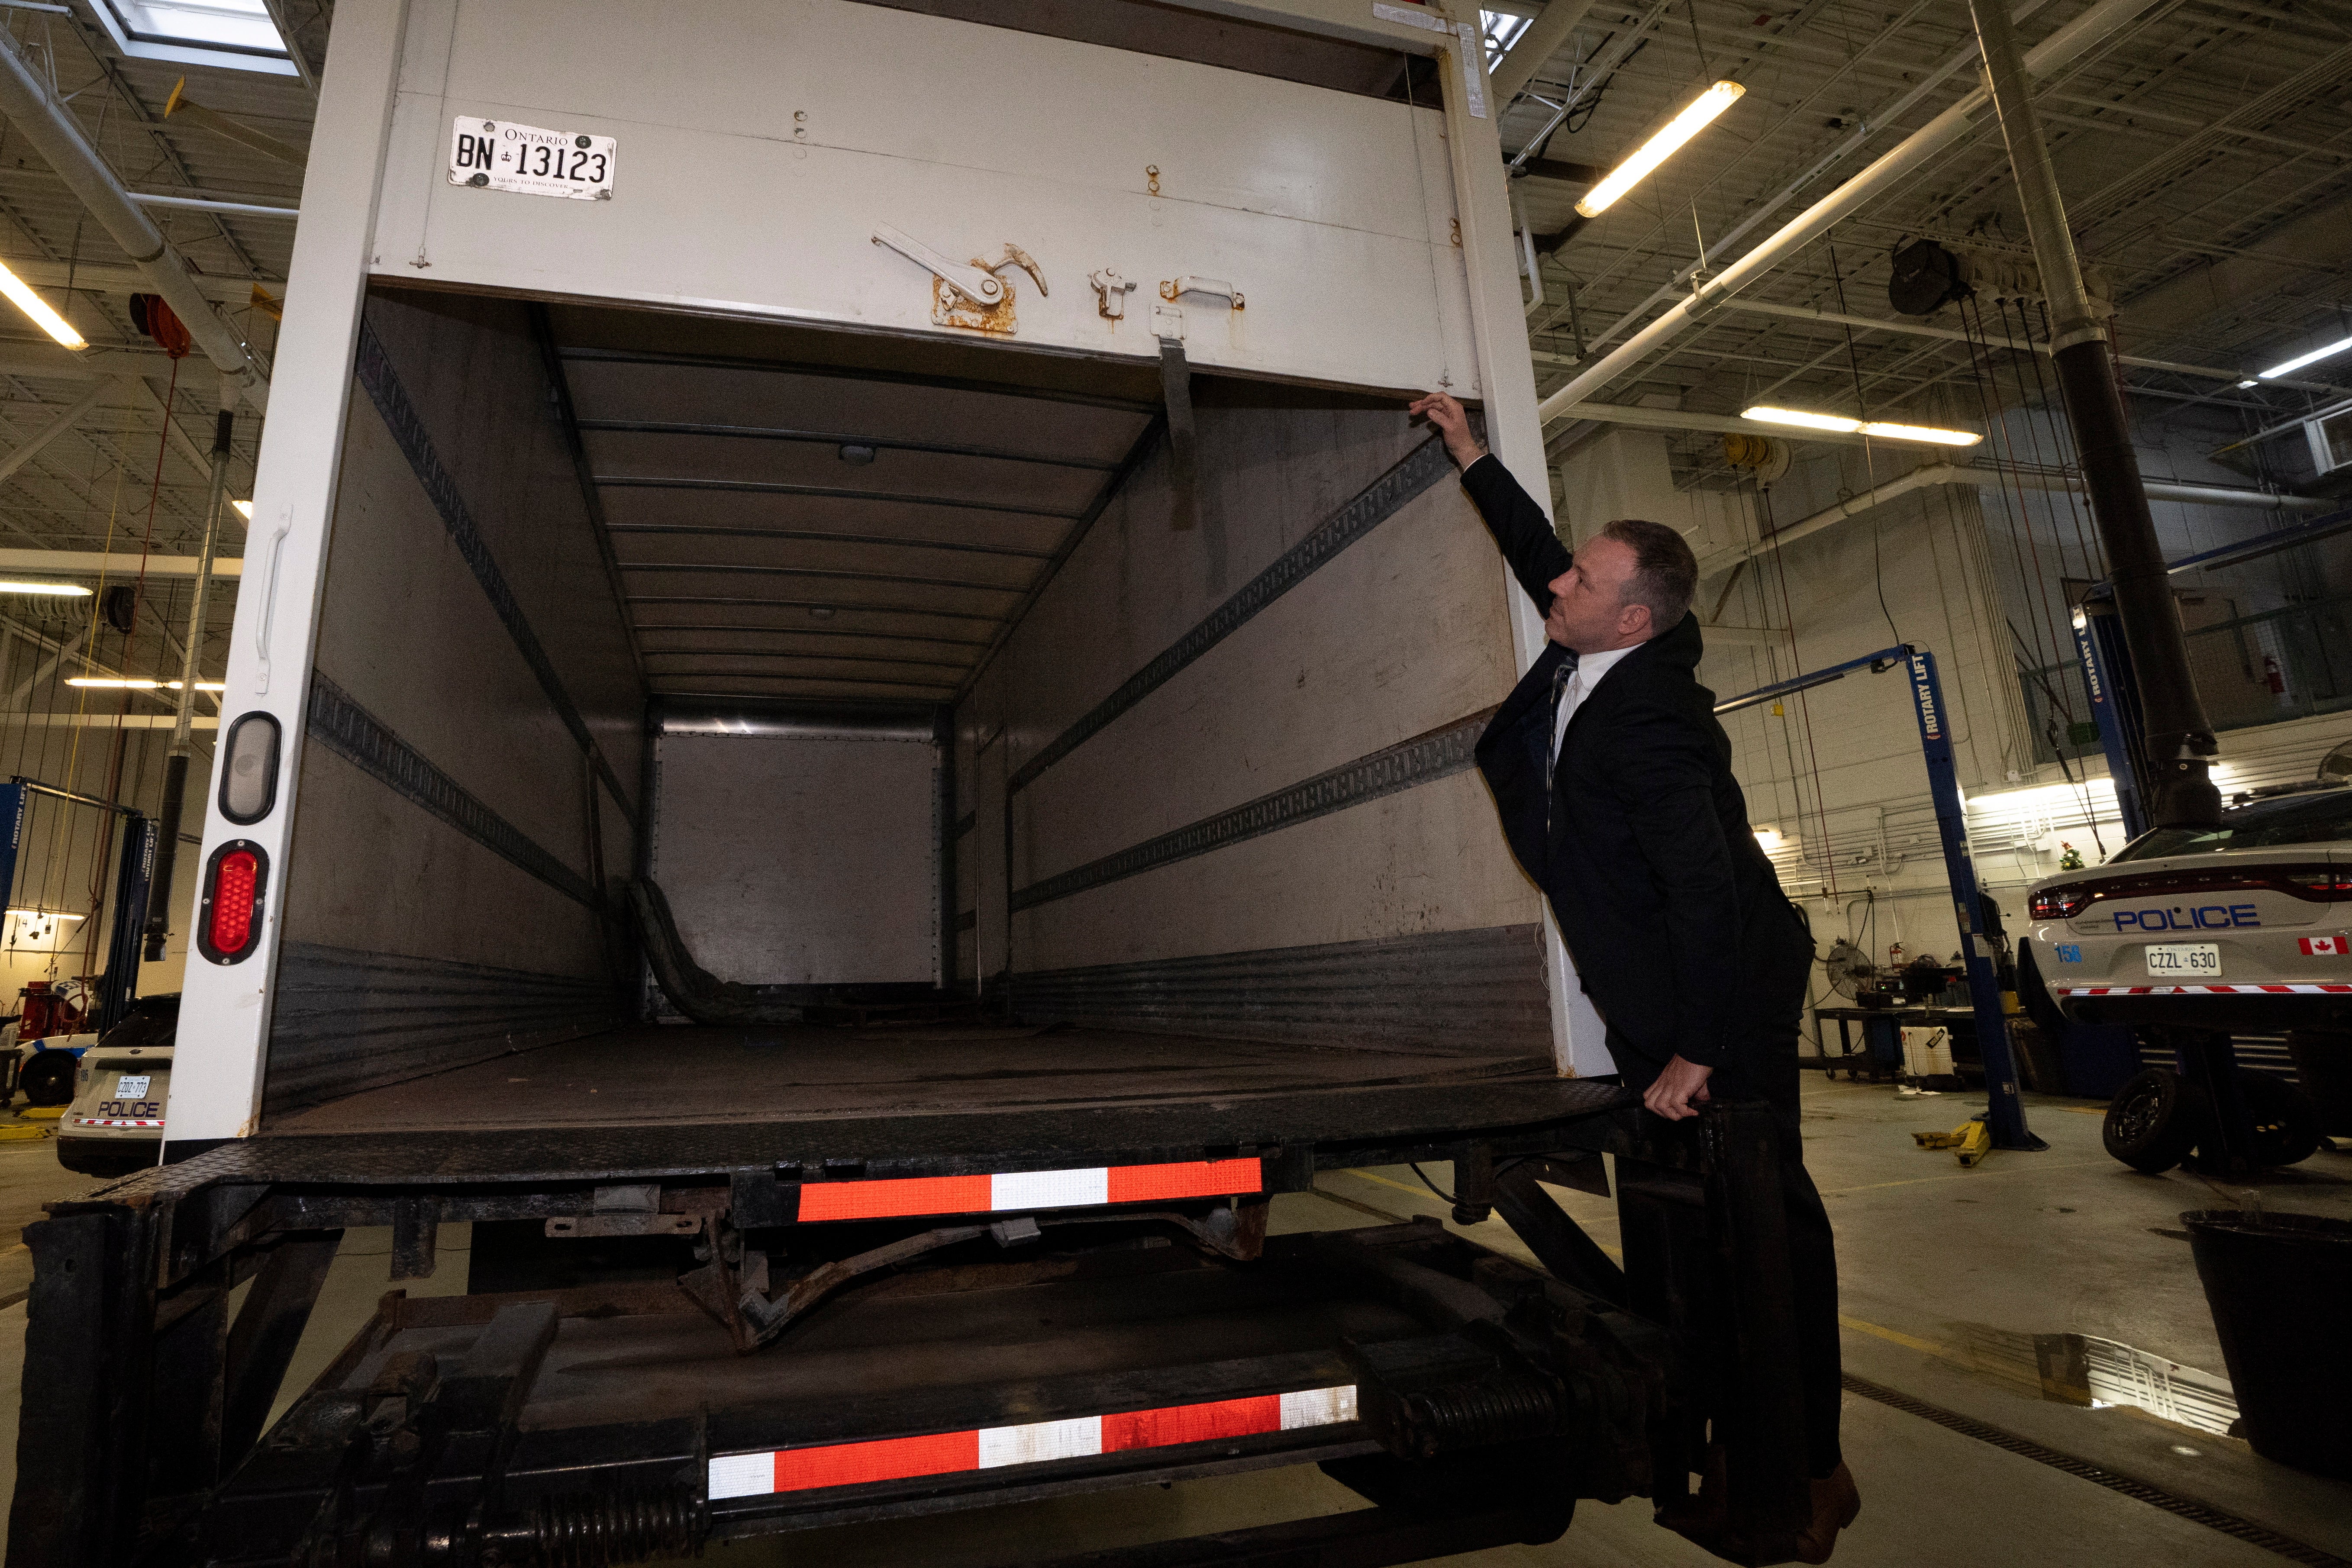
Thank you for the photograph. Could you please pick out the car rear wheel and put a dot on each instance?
(2287, 1122)
(2155, 1119)
(48, 1079)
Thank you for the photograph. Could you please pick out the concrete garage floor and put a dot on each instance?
(1947, 1274)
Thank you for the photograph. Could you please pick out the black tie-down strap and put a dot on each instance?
(1176, 391)
(694, 990)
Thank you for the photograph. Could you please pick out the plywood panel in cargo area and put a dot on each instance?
(791, 860)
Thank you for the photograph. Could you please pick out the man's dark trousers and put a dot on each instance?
(1764, 1067)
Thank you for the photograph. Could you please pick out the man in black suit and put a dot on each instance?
(1613, 781)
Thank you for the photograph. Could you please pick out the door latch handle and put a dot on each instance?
(1174, 289)
(974, 283)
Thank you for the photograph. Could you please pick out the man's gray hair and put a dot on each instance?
(1665, 573)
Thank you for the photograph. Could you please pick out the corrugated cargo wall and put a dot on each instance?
(474, 728)
(1237, 756)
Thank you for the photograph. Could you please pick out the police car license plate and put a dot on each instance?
(2184, 961)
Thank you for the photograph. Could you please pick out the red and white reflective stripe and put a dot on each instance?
(119, 1121)
(991, 1448)
(2333, 990)
(897, 1197)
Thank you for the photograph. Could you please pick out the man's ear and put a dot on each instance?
(1633, 620)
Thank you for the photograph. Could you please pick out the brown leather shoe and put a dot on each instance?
(1836, 1502)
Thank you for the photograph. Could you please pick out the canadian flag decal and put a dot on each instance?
(2338, 946)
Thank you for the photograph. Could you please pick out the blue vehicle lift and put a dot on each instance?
(2005, 1111)
(133, 878)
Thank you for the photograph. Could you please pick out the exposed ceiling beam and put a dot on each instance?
(34, 109)
(120, 565)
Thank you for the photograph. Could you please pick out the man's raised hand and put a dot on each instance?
(1452, 423)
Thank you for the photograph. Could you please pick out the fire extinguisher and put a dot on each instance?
(2273, 675)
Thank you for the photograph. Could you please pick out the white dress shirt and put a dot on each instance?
(1589, 668)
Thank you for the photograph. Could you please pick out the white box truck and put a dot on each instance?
(849, 732)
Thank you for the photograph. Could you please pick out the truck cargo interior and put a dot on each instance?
(946, 698)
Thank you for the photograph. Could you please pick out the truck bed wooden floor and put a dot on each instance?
(680, 1076)
(649, 1097)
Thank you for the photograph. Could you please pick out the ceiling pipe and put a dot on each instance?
(1953, 334)
(1929, 474)
(1903, 158)
(53, 132)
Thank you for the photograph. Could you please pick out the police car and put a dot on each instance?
(115, 1123)
(2243, 926)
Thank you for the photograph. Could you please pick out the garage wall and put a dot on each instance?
(1249, 741)
(471, 745)
(801, 860)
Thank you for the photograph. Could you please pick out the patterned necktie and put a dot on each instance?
(1561, 676)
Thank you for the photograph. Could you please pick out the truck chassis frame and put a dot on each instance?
(1494, 1396)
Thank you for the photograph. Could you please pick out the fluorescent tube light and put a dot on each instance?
(1695, 118)
(54, 590)
(1921, 432)
(49, 914)
(1883, 429)
(243, 509)
(2297, 362)
(142, 685)
(2241, 386)
(33, 305)
(1768, 416)
(1768, 839)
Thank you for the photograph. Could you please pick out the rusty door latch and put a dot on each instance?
(966, 294)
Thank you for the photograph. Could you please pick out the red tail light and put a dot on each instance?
(229, 923)
(2328, 884)
(2060, 903)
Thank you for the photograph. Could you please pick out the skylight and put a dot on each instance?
(235, 34)
(1502, 29)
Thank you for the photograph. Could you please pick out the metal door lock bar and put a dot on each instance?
(974, 280)
(1176, 287)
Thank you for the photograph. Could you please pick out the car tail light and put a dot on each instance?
(228, 921)
(2328, 883)
(2061, 903)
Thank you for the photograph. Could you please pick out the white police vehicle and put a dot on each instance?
(2242, 926)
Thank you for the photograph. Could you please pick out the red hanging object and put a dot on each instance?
(154, 317)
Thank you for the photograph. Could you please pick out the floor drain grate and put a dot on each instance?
(2244, 1530)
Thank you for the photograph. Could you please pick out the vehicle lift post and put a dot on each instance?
(2004, 1112)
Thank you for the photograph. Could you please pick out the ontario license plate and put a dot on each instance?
(500, 156)
(2184, 961)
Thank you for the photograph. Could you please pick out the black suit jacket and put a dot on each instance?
(1640, 836)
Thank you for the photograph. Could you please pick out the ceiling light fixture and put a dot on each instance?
(33, 305)
(1693, 119)
(1883, 429)
(120, 685)
(2241, 386)
(1929, 432)
(2314, 357)
(1765, 414)
(53, 590)
(243, 509)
